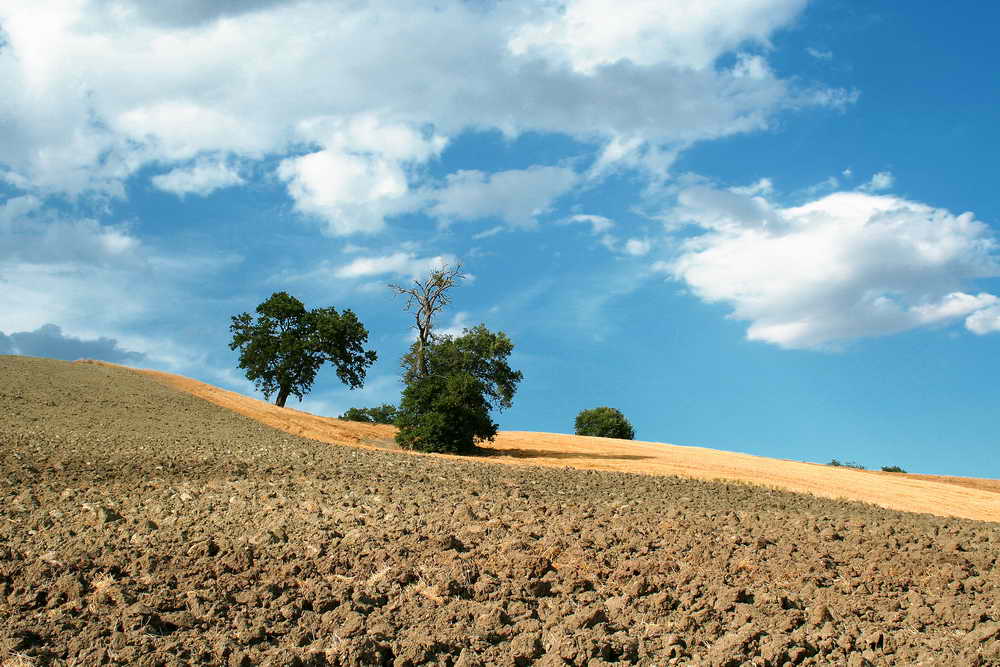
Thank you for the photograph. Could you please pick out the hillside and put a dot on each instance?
(941, 495)
(143, 525)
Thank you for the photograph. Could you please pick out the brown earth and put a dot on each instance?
(142, 525)
(945, 496)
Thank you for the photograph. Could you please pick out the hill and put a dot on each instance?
(140, 524)
(941, 495)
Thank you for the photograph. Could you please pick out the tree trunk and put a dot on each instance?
(283, 396)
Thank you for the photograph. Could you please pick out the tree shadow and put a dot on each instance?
(554, 454)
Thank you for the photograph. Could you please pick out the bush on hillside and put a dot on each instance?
(892, 469)
(444, 413)
(383, 414)
(604, 422)
(846, 464)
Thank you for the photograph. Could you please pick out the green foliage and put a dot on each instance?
(448, 408)
(892, 469)
(478, 352)
(444, 413)
(383, 414)
(283, 348)
(845, 464)
(604, 422)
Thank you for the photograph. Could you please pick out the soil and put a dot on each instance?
(142, 525)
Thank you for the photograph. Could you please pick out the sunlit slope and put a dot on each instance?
(944, 496)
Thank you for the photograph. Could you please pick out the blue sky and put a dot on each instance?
(767, 226)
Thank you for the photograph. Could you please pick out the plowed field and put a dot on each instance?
(142, 525)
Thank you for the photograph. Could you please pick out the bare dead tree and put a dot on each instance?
(425, 299)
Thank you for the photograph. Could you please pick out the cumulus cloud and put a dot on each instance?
(879, 181)
(49, 340)
(202, 178)
(137, 83)
(518, 197)
(984, 321)
(586, 34)
(361, 176)
(846, 266)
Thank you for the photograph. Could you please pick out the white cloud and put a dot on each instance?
(202, 178)
(586, 34)
(634, 153)
(598, 223)
(133, 84)
(880, 181)
(762, 187)
(820, 54)
(638, 247)
(360, 177)
(846, 266)
(404, 264)
(459, 322)
(518, 197)
(984, 321)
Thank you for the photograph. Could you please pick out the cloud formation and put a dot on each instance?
(137, 83)
(849, 265)
(49, 341)
(201, 178)
(405, 264)
(879, 181)
(517, 197)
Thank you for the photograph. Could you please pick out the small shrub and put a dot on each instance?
(846, 464)
(383, 414)
(892, 469)
(604, 422)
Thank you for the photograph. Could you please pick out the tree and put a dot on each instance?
(444, 413)
(604, 422)
(425, 299)
(478, 352)
(284, 347)
(383, 414)
(447, 408)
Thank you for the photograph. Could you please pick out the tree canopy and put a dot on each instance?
(604, 422)
(283, 348)
(382, 414)
(447, 408)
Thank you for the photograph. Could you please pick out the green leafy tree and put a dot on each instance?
(283, 348)
(479, 352)
(604, 422)
(383, 414)
(447, 407)
(444, 413)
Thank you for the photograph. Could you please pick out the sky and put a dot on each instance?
(766, 226)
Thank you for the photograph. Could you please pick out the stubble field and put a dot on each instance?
(142, 525)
